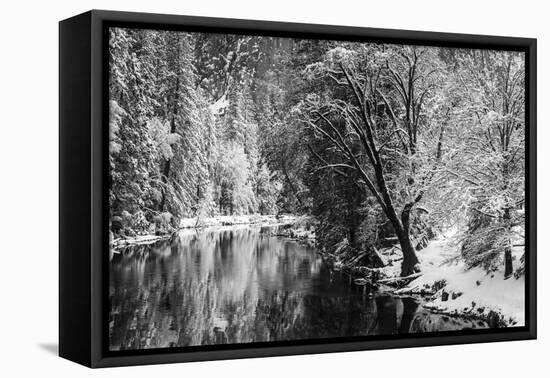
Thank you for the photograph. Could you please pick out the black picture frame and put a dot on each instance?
(83, 208)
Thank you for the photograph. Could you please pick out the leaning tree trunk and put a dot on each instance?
(410, 260)
(401, 228)
(409, 254)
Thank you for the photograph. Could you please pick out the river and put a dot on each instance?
(239, 285)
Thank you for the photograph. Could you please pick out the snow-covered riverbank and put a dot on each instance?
(452, 289)
(218, 221)
(230, 220)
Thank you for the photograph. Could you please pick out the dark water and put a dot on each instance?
(240, 286)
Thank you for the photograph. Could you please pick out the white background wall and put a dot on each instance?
(29, 189)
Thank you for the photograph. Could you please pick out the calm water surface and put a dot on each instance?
(238, 285)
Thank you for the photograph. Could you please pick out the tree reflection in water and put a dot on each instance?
(240, 286)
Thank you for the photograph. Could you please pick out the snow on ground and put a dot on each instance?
(471, 291)
(217, 222)
(229, 220)
(139, 239)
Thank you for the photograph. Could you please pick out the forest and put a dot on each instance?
(377, 145)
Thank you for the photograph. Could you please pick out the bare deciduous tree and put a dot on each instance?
(379, 124)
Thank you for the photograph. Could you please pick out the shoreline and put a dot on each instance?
(445, 286)
(205, 223)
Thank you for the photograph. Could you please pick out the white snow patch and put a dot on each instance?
(480, 291)
(219, 106)
(229, 220)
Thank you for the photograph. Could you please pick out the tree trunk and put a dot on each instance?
(401, 226)
(167, 164)
(409, 253)
(165, 173)
(292, 187)
(408, 266)
(508, 266)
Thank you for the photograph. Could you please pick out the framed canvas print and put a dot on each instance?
(234, 188)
